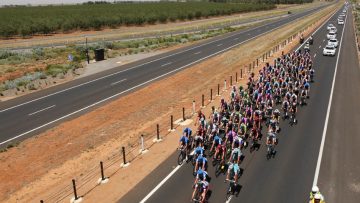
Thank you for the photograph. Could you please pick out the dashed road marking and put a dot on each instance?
(44, 109)
(166, 64)
(198, 52)
(219, 45)
(114, 83)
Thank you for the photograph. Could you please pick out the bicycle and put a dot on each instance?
(198, 192)
(293, 119)
(182, 155)
(231, 189)
(270, 151)
(220, 168)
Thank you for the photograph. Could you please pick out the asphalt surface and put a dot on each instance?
(28, 115)
(289, 176)
(339, 179)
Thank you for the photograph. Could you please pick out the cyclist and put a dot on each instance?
(318, 198)
(293, 110)
(236, 156)
(200, 175)
(271, 141)
(187, 132)
(201, 162)
(184, 143)
(199, 150)
(203, 190)
(314, 191)
(233, 172)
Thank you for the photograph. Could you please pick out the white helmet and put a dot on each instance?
(315, 189)
(317, 196)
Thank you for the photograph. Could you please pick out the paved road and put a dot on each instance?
(28, 115)
(339, 178)
(289, 176)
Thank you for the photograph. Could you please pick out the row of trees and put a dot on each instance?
(26, 21)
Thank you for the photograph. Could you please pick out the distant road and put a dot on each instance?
(28, 115)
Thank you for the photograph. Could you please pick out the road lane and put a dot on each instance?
(339, 179)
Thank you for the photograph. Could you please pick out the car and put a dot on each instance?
(307, 47)
(330, 26)
(331, 35)
(334, 30)
(340, 22)
(333, 42)
(342, 15)
(329, 50)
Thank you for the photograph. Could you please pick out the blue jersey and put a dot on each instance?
(200, 174)
(201, 159)
(199, 150)
(188, 131)
(217, 140)
(184, 140)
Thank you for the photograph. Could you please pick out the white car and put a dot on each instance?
(334, 30)
(340, 22)
(329, 50)
(331, 35)
(330, 26)
(333, 42)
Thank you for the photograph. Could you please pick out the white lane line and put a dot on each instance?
(160, 184)
(114, 83)
(44, 109)
(219, 45)
(227, 201)
(197, 53)
(106, 76)
(136, 86)
(320, 47)
(323, 40)
(318, 164)
(236, 38)
(314, 55)
(166, 64)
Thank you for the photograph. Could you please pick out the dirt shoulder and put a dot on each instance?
(41, 166)
(141, 31)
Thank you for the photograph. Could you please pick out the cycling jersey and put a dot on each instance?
(217, 140)
(184, 140)
(188, 131)
(199, 150)
(201, 174)
(201, 160)
(236, 153)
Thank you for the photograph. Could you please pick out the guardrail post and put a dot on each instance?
(183, 111)
(257, 62)
(236, 77)
(41, 201)
(193, 107)
(218, 92)
(241, 74)
(124, 156)
(157, 139)
(103, 179)
(75, 198)
(211, 95)
(230, 80)
(171, 123)
(202, 101)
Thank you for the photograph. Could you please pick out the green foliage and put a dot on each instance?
(55, 69)
(26, 21)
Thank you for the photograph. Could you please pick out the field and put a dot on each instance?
(27, 21)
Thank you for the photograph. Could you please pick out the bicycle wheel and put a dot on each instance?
(228, 193)
(181, 157)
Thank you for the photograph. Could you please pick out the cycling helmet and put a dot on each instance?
(315, 189)
(317, 196)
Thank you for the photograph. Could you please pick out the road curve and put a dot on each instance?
(289, 176)
(28, 115)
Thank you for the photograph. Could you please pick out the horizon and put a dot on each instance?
(52, 2)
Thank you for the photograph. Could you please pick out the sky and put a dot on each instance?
(37, 2)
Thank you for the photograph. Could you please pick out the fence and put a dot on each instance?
(98, 174)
